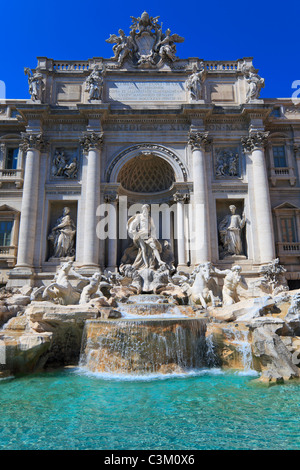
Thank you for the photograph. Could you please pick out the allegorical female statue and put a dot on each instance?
(63, 236)
(230, 232)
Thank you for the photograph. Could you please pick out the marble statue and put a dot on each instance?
(232, 280)
(204, 288)
(123, 46)
(255, 83)
(142, 230)
(167, 48)
(91, 289)
(61, 290)
(94, 85)
(194, 83)
(230, 232)
(62, 236)
(273, 279)
(36, 84)
(146, 46)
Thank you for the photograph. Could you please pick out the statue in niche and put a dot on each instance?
(142, 230)
(194, 83)
(36, 84)
(62, 166)
(232, 280)
(230, 229)
(255, 83)
(62, 236)
(94, 84)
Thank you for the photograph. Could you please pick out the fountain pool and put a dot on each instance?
(209, 409)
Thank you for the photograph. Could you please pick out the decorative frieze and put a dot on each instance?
(64, 164)
(227, 162)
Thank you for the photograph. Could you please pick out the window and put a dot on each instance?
(279, 156)
(5, 232)
(12, 158)
(288, 229)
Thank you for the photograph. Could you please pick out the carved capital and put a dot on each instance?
(91, 140)
(198, 140)
(32, 141)
(110, 198)
(255, 140)
(181, 197)
(297, 150)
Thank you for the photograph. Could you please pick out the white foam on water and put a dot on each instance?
(147, 377)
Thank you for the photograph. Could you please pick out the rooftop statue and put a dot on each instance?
(36, 84)
(255, 83)
(146, 45)
(94, 84)
(194, 83)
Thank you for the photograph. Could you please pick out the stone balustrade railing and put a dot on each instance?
(12, 176)
(288, 248)
(70, 66)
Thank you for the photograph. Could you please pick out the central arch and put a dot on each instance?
(146, 149)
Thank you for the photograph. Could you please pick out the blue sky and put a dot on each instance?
(268, 31)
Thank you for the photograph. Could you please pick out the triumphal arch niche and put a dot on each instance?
(188, 139)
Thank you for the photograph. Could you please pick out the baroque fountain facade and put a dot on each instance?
(154, 226)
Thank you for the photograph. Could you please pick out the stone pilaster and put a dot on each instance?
(92, 144)
(254, 145)
(198, 141)
(32, 145)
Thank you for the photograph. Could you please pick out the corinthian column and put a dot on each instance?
(254, 145)
(197, 141)
(180, 199)
(92, 143)
(31, 145)
(111, 200)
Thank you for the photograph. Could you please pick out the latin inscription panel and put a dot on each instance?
(146, 91)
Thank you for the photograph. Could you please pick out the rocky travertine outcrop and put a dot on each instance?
(45, 333)
(269, 325)
(258, 334)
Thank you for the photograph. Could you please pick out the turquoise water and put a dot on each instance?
(210, 410)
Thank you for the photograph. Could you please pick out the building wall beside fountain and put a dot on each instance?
(219, 167)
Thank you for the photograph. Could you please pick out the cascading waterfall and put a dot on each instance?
(133, 346)
(244, 348)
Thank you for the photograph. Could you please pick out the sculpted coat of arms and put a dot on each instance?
(146, 46)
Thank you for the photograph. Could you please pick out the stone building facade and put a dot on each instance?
(189, 137)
